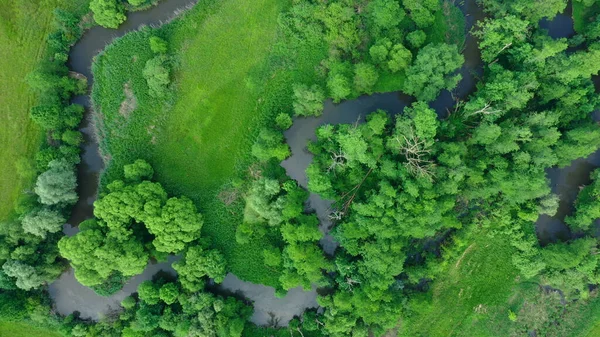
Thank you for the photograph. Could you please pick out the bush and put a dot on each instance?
(108, 13)
(283, 121)
(158, 45)
(156, 74)
(308, 101)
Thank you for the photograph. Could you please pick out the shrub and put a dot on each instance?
(156, 74)
(283, 121)
(108, 13)
(308, 101)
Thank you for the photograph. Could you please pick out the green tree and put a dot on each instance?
(197, 264)
(270, 144)
(283, 121)
(108, 13)
(138, 171)
(43, 221)
(148, 292)
(156, 73)
(57, 185)
(385, 14)
(27, 276)
(158, 45)
(365, 77)
(399, 58)
(308, 101)
(169, 293)
(179, 223)
(432, 71)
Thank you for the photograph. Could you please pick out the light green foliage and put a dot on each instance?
(96, 256)
(128, 303)
(168, 293)
(149, 292)
(272, 256)
(422, 12)
(365, 77)
(197, 264)
(339, 86)
(108, 13)
(385, 14)
(138, 171)
(270, 144)
(179, 224)
(72, 137)
(156, 73)
(43, 221)
(57, 185)
(433, 71)
(399, 58)
(158, 45)
(283, 121)
(308, 101)
(136, 2)
(501, 35)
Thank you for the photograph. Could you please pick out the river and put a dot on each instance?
(69, 295)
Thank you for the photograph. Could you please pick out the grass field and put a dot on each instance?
(229, 82)
(14, 329)
(583, 15)
(23, 43)
(473, 296)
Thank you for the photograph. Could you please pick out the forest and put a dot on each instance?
(300, 168)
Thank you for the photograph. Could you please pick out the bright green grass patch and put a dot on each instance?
(16, 329)
(231, 78)
(472, 297)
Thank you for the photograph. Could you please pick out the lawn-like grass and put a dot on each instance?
(16, 329)
(24, 25)
(228, 82)
(473, 296)
(582, 15)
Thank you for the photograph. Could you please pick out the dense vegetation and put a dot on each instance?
(435, 218)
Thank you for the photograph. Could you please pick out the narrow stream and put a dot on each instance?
(67, 293)
(70, 296)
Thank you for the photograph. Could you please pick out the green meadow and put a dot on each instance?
(229, 80)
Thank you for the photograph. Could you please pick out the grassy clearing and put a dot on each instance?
(231, 78)
(473, 296)
(15, 329)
